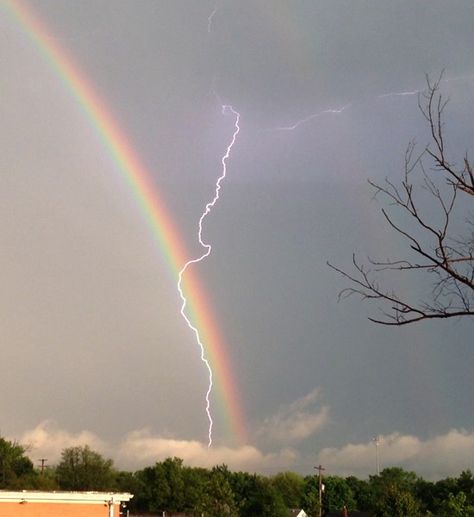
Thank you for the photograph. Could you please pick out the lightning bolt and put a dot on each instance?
(226, 108)
(416, 92)
(407, 93)
(399, 94)
(311, 117)
(209, 19)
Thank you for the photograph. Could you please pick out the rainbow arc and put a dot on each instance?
(147, 197)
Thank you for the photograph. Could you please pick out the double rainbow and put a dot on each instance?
(147, 197)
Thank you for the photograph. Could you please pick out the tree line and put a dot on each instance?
(172, 486)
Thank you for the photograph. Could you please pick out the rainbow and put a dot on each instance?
(141, 185)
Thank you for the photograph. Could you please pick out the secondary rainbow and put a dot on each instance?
(147, 197)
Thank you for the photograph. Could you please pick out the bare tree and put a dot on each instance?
(439, 238)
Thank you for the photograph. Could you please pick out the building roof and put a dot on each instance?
(33, 496)
(298, 512)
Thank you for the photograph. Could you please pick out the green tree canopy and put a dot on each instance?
(81, 468)
(362, 493)
(337, 494)
(219, 499)
(257, 497)
(163, 486)
(394, 491)
(310, 501)
(16, 469)
(291, 488)
(394, 501)
(455, 506)
(394, 476)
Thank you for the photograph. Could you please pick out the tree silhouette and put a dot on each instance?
(430, 210)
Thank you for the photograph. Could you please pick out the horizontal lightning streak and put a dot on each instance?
(208, 248)
(399, 94)
(407, 93)
(311, 117)
(420, 90)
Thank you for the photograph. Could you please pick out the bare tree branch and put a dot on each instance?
(447, 259)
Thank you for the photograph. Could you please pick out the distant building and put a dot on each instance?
(62, 504)
(298, 512)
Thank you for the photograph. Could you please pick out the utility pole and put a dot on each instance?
(376, 440)
(320, 469)
(43, 464)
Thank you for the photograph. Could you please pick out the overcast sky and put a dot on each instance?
(93, 346)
